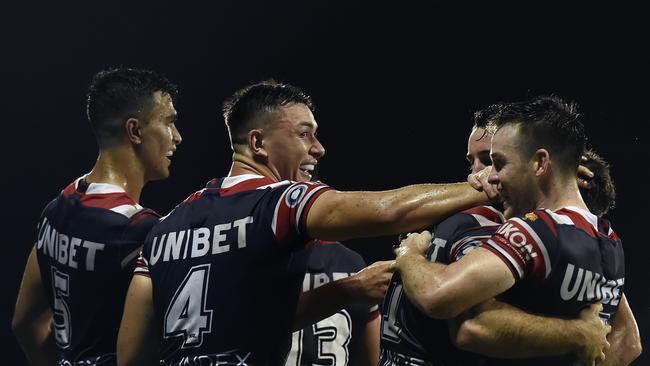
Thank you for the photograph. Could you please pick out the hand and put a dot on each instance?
(594, 331)
(372, 282)
(479, 181)
(414, 243)
(584, 177)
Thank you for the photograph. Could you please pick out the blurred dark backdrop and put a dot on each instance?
(395, 85)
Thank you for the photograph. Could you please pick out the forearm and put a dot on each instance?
(37, 342)
(497, 329)
(320, 303)
(624, 340)
(344, 215)
(420, 279)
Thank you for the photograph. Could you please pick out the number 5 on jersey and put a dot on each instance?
(187, 315)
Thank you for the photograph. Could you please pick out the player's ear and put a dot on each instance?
(255, 140)
(133, 128)
(542, 162)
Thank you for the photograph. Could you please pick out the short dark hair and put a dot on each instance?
(550, 123)
(241, 111)
(482, 116)
(117, 94)
(600, 197)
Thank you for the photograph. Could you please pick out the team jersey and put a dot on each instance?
(562, 261)
(408, 336)
(223, 290)
(88, 240)
(336, 340)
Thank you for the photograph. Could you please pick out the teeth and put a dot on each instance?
(307, 167)
(169, 154)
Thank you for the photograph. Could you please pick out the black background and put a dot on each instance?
(395, 84)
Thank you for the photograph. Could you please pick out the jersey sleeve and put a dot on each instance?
(291, 209)
(526, 244)
(141, 266)
(134, 236)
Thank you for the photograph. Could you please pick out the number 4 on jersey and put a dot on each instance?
(187, 315)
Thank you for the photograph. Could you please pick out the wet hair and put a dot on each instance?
(243, 110)
(550, 123)
(600, 197)
(482, 116)
(117, 94)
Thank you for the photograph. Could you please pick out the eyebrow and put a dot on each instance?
(172, 117)
(308, 124)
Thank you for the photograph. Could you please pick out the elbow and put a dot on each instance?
(634, 350)
(470, 336)
(434, 305)
(19, 327)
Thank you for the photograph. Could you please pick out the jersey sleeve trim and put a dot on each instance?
(515, 267)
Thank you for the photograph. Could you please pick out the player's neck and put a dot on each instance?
(119, 167)
(562, 194)
(243, 164)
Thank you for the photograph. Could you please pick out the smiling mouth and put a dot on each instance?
(307, 169)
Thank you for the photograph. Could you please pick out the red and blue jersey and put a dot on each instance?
(338, 339)
(409, 337)
(563, 261)
(223, 287)
(88, 240)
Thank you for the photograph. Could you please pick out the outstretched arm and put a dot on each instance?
(338, 215)
(496, 329)
(139, 338)
(624, 338)
(366, 287)
(32, 321)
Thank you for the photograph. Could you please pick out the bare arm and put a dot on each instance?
(624, 338)
(344, 215)
(496, 329)
(369, 351)
(139, 338)
(367, 287)
(32, 321)
(445, 291)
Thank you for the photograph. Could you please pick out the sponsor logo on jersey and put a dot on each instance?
(199, 242)
(531, 216)
(517, 239)
(65, 249)
(295, 195)
(585, 285)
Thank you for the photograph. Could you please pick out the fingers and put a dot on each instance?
(584, 177)
(474, 181)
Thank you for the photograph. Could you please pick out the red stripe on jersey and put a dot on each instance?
(106, 200)
(247, 185)
(142, 215)
(193, 197)
(513, 270)
(521, 243)
(579, 221)
(548, 220)
(69, 190)
(287, 223)
(312, 199)
(327, 242)
(485, 212)
(373, 316)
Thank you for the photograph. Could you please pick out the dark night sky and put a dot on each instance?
(394, 84)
